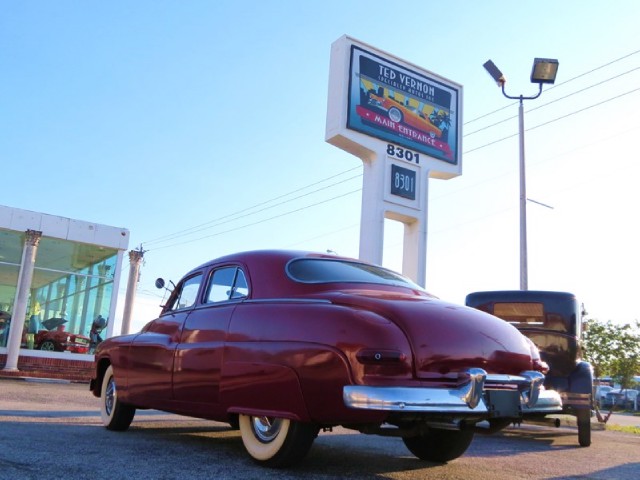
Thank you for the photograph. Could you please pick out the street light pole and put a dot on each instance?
(524, 272)
(544, 71)
(524, 269)
(524, 262)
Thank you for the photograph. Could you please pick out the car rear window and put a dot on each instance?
(320, 270)
(530, 314)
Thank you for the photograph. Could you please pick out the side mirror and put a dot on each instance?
(160, 283)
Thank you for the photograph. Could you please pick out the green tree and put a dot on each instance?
(626, 364)
(597, 345)
(613, 349)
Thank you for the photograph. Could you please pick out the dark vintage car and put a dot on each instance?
(286, 344)
(553, 322)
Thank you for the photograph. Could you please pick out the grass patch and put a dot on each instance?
(620, 428)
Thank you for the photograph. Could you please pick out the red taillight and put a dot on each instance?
(538, 364)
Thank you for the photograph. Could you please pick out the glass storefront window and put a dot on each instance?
(70, 295)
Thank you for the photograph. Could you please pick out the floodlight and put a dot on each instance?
(544, 70)
(495, 72)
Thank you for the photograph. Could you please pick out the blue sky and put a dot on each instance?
(199, 126)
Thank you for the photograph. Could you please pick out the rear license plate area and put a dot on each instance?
(503, 403)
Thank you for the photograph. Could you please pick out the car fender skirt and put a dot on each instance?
(472, 397)
(262, 389)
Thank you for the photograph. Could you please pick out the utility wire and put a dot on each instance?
(238, 215)
(241, 213)
(553, 101)
(554, 120)
(261, 221)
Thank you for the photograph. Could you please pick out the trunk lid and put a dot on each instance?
(446, 338)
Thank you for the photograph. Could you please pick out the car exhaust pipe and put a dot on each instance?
(545, 422)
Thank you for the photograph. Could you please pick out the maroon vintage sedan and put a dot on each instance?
(284, 344)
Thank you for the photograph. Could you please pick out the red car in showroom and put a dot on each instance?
(283, 344)
(56, 339)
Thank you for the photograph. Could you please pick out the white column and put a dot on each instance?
(372, 214)
(135, 258)
(414, 258)
(19, 313)
(414, 255)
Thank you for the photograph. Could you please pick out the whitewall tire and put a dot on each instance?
(276, 442)
(115, 415)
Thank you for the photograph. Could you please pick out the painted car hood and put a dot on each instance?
(446, 338)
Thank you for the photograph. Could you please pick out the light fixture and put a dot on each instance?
(544, 70)
(495, 72)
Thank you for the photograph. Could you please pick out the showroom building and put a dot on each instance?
(59, 281)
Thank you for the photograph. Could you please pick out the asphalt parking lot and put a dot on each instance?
(53, 430)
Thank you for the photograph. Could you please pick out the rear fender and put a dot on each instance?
(579, 395)
(96, 383)
(581, 379)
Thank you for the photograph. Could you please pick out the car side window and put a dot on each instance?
(188, 293)
(227, 283)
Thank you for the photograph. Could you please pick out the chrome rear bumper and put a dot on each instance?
(472, 397)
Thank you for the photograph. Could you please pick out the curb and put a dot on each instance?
(36, 379)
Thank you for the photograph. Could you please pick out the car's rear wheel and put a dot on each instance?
(438, 445)
(115, 414)
(276, 442)
(48, 346)
(584, 427)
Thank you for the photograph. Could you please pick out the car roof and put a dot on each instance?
(267, 272)
(284, 256)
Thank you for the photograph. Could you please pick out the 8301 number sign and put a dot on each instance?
(403, 182)
(403, 153)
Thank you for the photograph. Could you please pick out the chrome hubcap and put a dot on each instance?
(110, 396)
(266, 428)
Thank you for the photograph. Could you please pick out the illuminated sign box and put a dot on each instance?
(376, 99)
(402, 106)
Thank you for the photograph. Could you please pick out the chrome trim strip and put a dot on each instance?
(410, 399)
(570, 399)
(285, 300)
(523, 379)
(572, 396)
